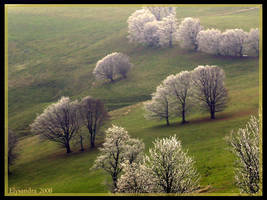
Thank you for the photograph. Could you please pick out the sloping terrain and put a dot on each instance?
(52, 52)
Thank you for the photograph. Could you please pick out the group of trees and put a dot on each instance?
(61, 121)
(158, 26)
(232, 42)
(112, 66)
(153, 26)
(166, 168)
(176, 95)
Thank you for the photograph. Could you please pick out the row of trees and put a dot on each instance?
(61, 121)
(166, 168)
(111, 66)
(158, 26)
(232, 42)
(176, 95)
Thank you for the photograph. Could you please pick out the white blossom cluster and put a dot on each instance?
(187, 33)
(161, 12)
(153, 26)
(135, 179)
(111, 66)
(166, 169)
(245, 145)
(118, 148)
(158, 26)
(232, 42)
(252, 42)
(208, 41)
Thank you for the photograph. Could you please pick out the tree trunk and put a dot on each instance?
(167, 121)
(170, 42)
(92, 140)
(81, 141)
(114, 178)
(68, 147)
(124, 75)
(212, 112)
(183, 117)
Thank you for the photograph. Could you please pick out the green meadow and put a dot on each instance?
(52, 52)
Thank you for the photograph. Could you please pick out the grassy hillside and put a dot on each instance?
(52, 52)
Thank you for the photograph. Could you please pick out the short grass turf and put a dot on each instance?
(52, 52)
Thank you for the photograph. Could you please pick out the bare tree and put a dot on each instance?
(58, 123)
(115, 152)
(93, 115)
(12, 142)
(209, 87)
(179, 88)
(161, 106)
(245, 146)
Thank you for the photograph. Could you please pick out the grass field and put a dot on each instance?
(52, 52)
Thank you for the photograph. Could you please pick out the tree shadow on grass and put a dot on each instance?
(219, 117)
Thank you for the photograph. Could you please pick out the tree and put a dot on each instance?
(208, 82)
(151, 34)
(135, 150)
(115, 152)
(161, 106)
(245, 146)
(208, 41)
(12, 143)
(122, 64)
(187, 33)
(168, 30)
(252, 42)
(232, 42)
(58, 123)
(179, 87)
(135, 179)
(111, 66)
(161, 12)
(93, 115)
(136, 24)
(172, 170)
